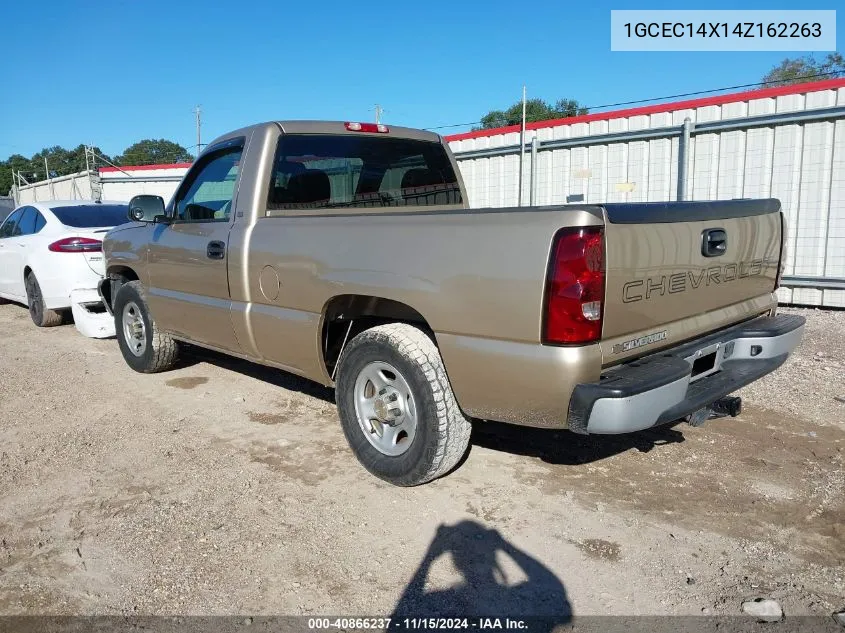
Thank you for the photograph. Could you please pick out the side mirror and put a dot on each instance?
(146, 208)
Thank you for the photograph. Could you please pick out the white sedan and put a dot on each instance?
(51, 259)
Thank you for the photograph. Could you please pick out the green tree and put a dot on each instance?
(76, 159)
(60, 162)
(152, 152)
(535, 110)
(15, 162)
(802, 69)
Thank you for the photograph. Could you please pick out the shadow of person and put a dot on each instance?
(485, 590)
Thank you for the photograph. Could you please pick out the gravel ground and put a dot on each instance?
(810, 383)
(226, 488)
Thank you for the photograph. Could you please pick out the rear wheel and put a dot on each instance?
(144, 347)
(397, 408)
(41, 316)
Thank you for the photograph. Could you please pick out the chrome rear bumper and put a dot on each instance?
(674, 383)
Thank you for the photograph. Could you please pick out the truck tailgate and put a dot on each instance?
(685, 261)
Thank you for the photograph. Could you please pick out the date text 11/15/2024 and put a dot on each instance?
(423, 623)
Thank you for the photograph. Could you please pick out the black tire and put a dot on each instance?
(159, 351)
(41, 316)
(442, 430)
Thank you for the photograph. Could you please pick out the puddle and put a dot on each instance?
(188, 382)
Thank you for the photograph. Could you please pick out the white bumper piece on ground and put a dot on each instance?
(90, 315)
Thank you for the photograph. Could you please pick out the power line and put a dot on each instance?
(106, 160)
(197, 111)
(675, 96)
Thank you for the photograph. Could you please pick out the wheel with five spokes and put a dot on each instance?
(397, 408)
(145, 348)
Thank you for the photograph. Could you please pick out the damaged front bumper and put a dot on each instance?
(90, 315)
(677, 382)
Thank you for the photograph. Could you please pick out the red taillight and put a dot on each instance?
(76, 245)
(367, 127)
(575, 287)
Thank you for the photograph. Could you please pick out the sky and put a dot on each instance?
(112, 73)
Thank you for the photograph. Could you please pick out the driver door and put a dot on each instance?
(187, 259)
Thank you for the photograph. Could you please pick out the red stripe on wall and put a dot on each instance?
(659, 108)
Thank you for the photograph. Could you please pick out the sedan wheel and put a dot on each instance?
(41, 316)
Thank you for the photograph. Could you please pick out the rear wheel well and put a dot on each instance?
(117, 276)
(346, 316)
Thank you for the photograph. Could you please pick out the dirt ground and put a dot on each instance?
(226, 488)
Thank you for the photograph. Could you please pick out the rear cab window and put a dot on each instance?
(325, 171)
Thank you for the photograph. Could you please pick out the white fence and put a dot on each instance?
(786, 143)
(72, 187)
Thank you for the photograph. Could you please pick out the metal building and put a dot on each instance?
(124, 182)
(786, 142)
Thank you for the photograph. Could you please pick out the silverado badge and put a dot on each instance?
(648, 339)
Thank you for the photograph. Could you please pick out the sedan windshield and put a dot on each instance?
(87, 216)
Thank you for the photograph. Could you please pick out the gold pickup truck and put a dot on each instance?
(346, 253)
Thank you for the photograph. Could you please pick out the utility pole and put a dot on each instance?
(50, 180)
(197, 112)
(379, 112)
(521, 146)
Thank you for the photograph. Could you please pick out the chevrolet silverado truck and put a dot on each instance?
(347, 253)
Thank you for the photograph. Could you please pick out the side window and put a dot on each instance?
(10, 226)
(40, 221)
(27, 223)
(207, 196)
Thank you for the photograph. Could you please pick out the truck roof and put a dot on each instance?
(328, 127)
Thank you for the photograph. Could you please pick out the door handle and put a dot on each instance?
(216, 250)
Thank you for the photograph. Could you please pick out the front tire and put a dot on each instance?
(41, 316)
(144, 347)
(397, 408)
